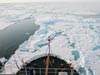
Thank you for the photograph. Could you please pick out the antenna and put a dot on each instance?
(49, 41)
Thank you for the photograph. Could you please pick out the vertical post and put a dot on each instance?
(34, 71)
(47, 64)
(72, 72)
(24, 64)
(55, 71)
(25, 70)
(40, 71)
(48, 57)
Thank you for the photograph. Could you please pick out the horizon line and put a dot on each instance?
(52, 1)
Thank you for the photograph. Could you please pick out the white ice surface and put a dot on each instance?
(70, 32)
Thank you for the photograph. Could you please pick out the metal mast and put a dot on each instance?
(48, 57)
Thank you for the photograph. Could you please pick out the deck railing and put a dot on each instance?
(41, 71)
(52, 71)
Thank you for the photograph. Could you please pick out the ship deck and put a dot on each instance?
(56, 67)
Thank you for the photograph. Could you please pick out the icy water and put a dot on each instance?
(14, 35)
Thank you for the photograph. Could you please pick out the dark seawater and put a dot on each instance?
(14, 35)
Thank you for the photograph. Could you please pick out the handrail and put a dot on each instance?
(52, 70)
(41, 71)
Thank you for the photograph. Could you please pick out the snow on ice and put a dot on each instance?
(75, 38)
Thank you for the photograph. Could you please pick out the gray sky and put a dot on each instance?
(11, 1)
